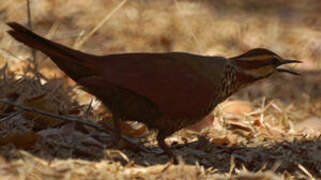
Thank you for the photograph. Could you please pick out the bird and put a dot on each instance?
(165, 91)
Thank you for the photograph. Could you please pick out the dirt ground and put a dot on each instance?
(270, 130)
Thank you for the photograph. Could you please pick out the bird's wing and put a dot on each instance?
(179, 87)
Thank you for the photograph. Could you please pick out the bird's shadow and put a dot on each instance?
(281, 156)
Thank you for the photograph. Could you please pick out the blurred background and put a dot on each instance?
(208, 27)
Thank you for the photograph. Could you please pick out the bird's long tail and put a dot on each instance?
(74, 63)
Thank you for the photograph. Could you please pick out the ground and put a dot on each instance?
(270, 130)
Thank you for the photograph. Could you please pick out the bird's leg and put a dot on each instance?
(162, 144)
(117, 128)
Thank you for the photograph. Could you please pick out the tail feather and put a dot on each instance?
(65, 58)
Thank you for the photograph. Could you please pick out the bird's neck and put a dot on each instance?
(233, 80)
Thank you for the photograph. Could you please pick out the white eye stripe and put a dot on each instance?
(263, 71)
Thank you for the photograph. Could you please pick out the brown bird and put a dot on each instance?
(166, 91)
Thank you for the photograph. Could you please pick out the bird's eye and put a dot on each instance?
(275, 60)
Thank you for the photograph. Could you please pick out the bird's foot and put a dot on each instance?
(160, 151)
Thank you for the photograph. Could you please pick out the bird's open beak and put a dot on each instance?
(286, 61)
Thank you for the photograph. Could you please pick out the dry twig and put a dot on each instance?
(76, 120)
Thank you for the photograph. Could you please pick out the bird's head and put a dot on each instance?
(260, 63)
